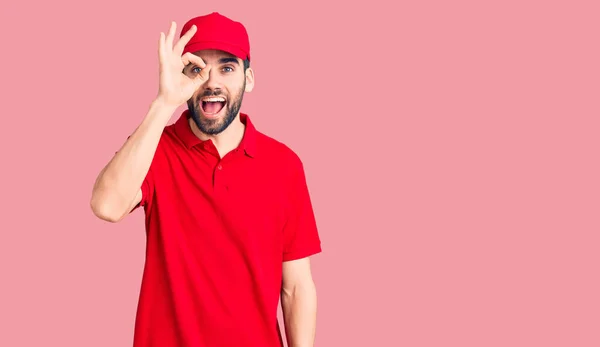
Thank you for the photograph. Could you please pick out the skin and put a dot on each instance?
(227, 79)
(224, 76)
(299, 303)
(117, 190)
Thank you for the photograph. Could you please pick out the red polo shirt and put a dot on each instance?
(218, 230)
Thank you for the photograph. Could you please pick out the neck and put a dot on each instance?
(225, 141)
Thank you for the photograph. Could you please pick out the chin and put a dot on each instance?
(212, 124)
(214, 113)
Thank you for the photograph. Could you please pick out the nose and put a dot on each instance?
(213, 82)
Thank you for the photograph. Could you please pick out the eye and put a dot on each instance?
(196, 69)
(228, 69)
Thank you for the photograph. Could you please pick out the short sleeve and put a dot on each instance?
(301, 236)
(147, 187)
(147, 190)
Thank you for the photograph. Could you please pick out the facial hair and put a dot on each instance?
(215, 126)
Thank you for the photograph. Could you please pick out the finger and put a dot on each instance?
(180, 45)
(194, 59)
(161, 46)
(203, 75)
(170, 36)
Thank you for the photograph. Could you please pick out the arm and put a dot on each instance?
(118, 186)
(299, 303)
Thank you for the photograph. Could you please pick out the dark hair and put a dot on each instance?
(246, 64)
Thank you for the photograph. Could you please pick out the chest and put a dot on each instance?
(234, 200)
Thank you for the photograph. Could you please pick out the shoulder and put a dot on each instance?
(169, 133)
(169, 140)
(279, 152)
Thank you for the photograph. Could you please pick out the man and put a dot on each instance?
(229, 221)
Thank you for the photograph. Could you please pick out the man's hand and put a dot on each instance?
(175, 88)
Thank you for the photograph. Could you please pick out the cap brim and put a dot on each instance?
(198, 46)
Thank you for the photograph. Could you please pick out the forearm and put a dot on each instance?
(299, 306)
(118, 183)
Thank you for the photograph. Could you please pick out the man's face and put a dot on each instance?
(217, 102)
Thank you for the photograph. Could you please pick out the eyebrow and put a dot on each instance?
(228, 60)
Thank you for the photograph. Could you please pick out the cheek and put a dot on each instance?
(235, 90)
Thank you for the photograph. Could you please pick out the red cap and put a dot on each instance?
(215, 31)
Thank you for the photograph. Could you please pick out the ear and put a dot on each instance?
(249, 79)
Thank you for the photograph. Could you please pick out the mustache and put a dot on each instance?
(207, 93)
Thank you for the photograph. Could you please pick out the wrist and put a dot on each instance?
(160, 112)
(161, 103)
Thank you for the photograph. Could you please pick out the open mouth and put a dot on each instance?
(213, 105)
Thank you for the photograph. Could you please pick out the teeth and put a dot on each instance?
(214, 99)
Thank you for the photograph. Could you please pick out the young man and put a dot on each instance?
(229, 221)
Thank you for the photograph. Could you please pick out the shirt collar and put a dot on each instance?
(185, 133)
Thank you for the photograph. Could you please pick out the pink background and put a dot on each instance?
(451, 151)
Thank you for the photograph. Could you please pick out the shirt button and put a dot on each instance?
(219, 167)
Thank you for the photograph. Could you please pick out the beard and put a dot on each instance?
(215, 126)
